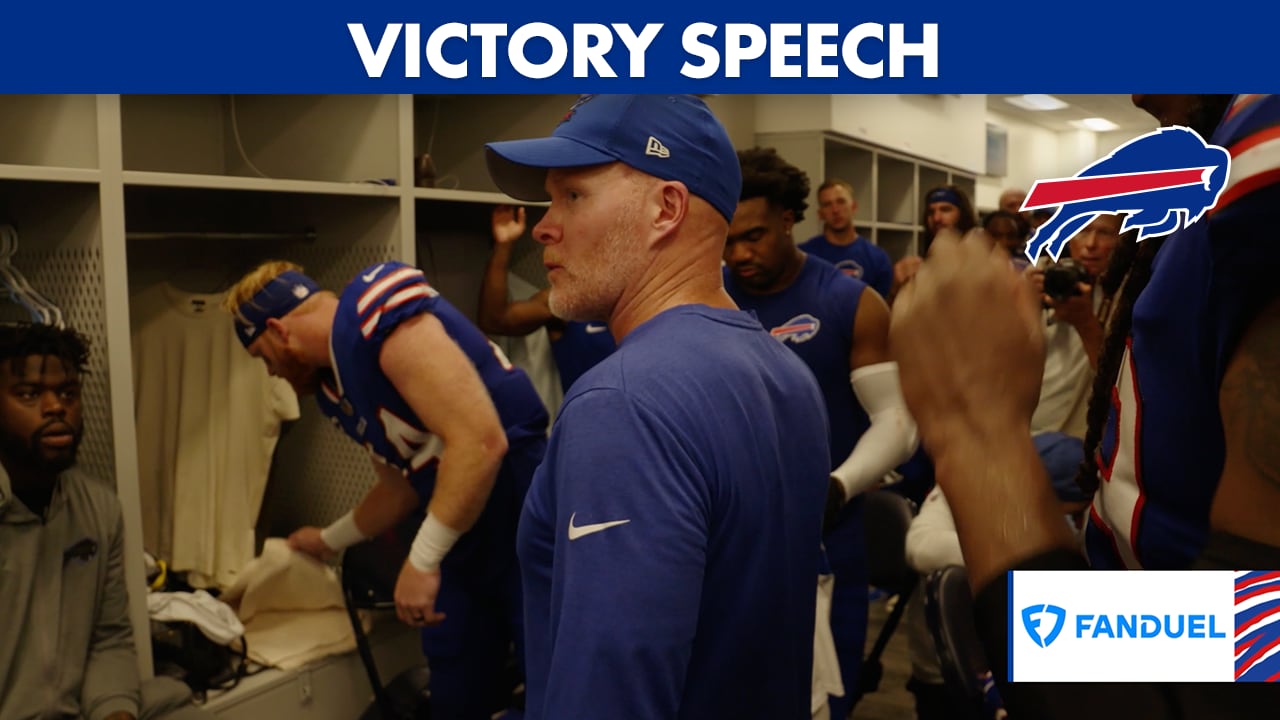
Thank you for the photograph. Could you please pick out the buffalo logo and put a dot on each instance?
(798, 329)
(83, 551)
(1163, 181)
(1257, 626)
(1033, 614)
(850, 268)
(574, 108)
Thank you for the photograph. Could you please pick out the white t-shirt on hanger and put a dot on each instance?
(208, 418)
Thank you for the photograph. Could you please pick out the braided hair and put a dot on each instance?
(1128, 273)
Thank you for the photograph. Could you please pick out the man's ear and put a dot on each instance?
(279, 328)
(672, 201)
(788, 220)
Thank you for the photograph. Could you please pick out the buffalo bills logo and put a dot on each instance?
(1257, 626)
(82, 551)
(1162, 181)
(850, 268)
(798, 329)
(574, 108)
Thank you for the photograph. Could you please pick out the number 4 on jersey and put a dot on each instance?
(415, 446)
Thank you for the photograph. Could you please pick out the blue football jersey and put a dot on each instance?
(860, 259)
(669, 541)
(1163, 448)
(813, 317)
(360, 399)
(580, 346)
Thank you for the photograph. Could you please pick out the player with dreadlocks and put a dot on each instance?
(1163, 374)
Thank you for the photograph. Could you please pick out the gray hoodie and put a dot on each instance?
(66, 645)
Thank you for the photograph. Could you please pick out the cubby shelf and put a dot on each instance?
(231, 182)
(466, 196)
(42, 173)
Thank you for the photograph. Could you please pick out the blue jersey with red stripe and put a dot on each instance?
(860, 259)
(580, 346)
(360, 399)
(1162, 451)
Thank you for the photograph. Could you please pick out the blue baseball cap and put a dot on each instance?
(671, 137)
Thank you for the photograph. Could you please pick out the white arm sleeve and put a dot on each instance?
(932, 542)
(892, 437)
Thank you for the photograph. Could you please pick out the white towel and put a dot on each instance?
(215, 618)
(826, 665)
(289, 640)
(281, 579)
(292, 608)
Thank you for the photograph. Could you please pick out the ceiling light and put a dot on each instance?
(1096, 124)
(1036, 102)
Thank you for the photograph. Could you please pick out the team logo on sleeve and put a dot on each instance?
(1163, 181)
(798, 329)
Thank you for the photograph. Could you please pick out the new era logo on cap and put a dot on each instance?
(656, 148)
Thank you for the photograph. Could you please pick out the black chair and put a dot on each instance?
(369, 573)
(887, 516)
(949, 614)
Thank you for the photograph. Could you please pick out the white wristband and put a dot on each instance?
(433, 542)
(342, 533)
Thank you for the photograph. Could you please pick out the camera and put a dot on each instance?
(1062, 278)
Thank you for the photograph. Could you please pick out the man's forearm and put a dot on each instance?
(386, 504)
(463, 483)
(493, 291)
(1091, 336)
(1024, 521)
(110, 683)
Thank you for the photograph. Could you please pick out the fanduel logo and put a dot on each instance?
(1032, 615)
(1147, 626)
(1138, 627)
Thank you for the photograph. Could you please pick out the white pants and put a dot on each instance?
(826, 666)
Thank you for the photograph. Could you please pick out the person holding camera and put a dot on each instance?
(1074, 305)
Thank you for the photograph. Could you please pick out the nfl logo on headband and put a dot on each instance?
(281, 295)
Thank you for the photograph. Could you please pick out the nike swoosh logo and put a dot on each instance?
(593, 329)
(584, 530)
(373, 273)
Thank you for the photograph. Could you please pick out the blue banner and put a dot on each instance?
(385, 46)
